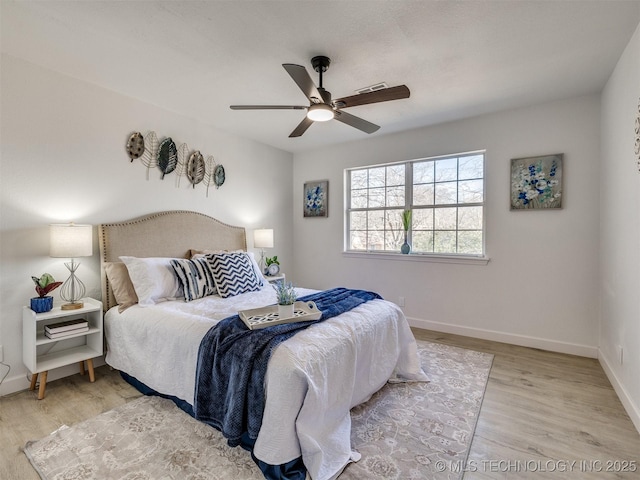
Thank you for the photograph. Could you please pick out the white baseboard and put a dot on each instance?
(512, 338)
(632, 409)
(19, 381)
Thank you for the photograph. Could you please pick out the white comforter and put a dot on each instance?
(313, 378)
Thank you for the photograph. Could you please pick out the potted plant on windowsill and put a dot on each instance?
(406, 223)
(45, 284)
(286, 294)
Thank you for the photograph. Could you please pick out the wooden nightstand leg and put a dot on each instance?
(82, 368)
(43, 385)
(92, 376)
(34, 380)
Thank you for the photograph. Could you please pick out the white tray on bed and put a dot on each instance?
(267, 316)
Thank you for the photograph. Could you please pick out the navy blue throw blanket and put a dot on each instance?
(232, 362)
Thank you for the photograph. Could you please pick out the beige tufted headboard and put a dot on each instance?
(163, 234)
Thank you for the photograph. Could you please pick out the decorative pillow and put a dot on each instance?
(256, 269)
(233, 273)
(201, 253)
(193, 252)
(195, 276)
(153, 279)
(121, 285)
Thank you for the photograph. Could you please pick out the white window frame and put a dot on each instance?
(450, 257)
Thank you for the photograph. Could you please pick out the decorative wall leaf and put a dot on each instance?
(195, 168)
(167, 156)
(219, 176)
(208, 174)
(183, 158)
(135, 146)
(150, 155)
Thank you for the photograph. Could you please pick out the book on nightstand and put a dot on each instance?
(66, 326)
(66, 333)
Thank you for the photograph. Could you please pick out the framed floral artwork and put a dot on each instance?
(316, 199)
(637, 130)
(536, 182)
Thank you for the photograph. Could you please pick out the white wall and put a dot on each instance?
(620, 230)
(540, 287)
(63, 159)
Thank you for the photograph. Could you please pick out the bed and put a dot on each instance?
(313, 379)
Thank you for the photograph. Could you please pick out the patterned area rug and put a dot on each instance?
(405, 431)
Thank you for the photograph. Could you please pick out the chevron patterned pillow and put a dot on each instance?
(233, 273)
(195, 276)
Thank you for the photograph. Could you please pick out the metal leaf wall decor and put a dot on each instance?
(150, 155)
(135, 146)
(195, 168)
(636, 147)
(183, 158)
(219, 176)
(167, 157)
(208, 174)
(170, 158)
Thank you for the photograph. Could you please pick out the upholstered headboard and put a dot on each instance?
(163, 234)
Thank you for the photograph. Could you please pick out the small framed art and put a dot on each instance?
(536, 182)
(316, 199)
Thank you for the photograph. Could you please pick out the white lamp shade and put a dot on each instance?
(70, 240)
(263, 238)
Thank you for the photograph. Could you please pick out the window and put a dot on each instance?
(445, 195)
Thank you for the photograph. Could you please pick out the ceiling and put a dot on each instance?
(195, 58)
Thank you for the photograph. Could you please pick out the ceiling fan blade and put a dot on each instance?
(383, 95)
(267, 107)
(356, 122)
(303, 80)
(301, 128)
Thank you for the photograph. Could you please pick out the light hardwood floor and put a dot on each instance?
(541, 412)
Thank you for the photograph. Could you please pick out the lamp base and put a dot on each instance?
(71, 306)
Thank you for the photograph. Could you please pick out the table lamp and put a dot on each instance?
(71, 241)
(263, 238)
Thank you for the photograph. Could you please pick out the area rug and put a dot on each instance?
(405, 431)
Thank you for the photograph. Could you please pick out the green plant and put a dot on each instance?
(272, 260)
(406, 220)
(45, 284)
(285, 292)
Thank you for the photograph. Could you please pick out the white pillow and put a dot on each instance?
(153, 279)
(256, 268)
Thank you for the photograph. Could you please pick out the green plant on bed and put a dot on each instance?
(286, 293)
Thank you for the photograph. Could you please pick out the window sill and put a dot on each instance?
(419, 257)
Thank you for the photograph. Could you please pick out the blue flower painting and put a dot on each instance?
(316, 199)
(536, 182)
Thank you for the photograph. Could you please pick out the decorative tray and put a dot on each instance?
(267, 316)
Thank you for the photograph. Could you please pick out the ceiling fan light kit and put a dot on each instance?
(321, 107)
(320, 112)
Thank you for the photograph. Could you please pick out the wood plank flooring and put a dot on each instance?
(547, 415)
(541, 412)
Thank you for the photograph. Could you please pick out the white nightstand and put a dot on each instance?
(41, 354)
(275, 278)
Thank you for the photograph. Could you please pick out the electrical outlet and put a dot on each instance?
(620, 354)
(401, 301)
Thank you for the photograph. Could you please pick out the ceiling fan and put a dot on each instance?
(322, 108)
